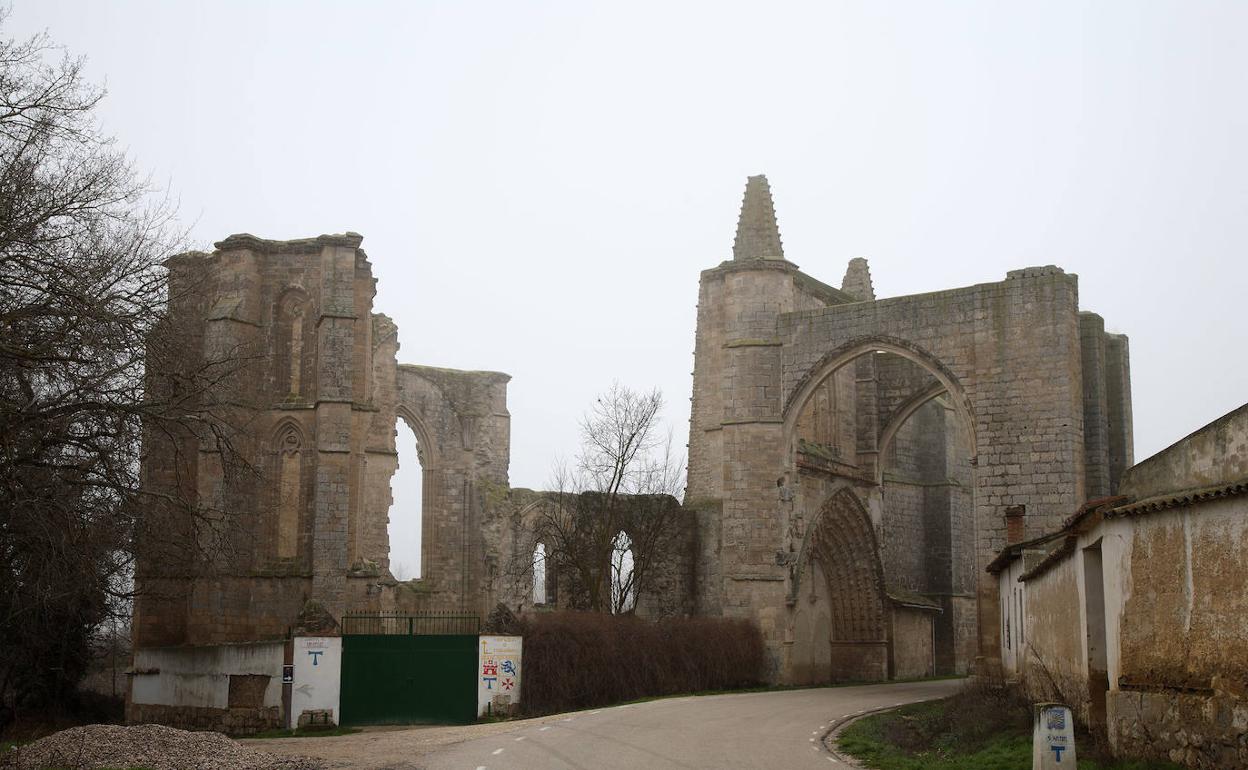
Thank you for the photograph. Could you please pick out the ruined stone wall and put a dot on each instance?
(781, 358)
(521, 519)
(1011, 352)
(735, 403)
(915, 529)
(1013, 348)
(313, 403)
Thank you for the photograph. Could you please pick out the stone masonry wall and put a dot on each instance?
(1012, 348)
(316, 404)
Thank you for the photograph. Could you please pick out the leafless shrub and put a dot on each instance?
(576, 660)
(608, 520)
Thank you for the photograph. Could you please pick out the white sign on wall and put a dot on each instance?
(316, 685)
(498, 674)
(1053, 739)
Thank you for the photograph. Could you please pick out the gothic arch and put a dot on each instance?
(842, 540)
(899, 418)
(425, 446)
(292, 333)
(284, 428)
(288, 443)
(832, 361)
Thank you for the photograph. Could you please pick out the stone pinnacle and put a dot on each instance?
(857, 281)
(758, 235)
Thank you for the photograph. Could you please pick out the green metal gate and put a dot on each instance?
(401, 676)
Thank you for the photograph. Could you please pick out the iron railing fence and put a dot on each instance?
(410, 624)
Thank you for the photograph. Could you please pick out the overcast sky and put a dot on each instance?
(539, 184)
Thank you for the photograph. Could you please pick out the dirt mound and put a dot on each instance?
(154, 747)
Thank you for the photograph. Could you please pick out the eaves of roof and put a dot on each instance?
(1056, 555)
(1179, 499)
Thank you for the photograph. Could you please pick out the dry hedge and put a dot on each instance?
(576, 660)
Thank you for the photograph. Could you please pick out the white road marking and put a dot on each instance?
(480, 767)
(594, 712)
(496, 752)
(542, 729)
(520, 738)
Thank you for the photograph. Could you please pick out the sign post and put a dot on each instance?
(498, 675)
(1053, 739)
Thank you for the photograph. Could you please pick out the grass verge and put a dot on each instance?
(970, 731)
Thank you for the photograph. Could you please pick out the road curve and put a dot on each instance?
(748, 730)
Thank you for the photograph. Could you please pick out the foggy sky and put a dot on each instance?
(539, 184)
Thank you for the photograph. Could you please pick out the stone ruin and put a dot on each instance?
(850, 458)
(320, 409)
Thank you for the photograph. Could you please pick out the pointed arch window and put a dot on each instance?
(539, 574)
(289, 445)
(290, 332)
(623, 585)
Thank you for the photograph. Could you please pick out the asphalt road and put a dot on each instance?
(749, 730)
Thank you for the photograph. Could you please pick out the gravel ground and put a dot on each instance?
(148, 746)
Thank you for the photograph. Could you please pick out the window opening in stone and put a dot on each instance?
(406, 507)
(539, 574)
(290, 485)
(623, 587)
(290, 333)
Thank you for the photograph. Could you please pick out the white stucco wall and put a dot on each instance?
(200, 676)
(318, 671)
(1013, 628)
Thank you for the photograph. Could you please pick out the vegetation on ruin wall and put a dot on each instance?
(577, 660)
(979, 729)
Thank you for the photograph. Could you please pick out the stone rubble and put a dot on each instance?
(152, 747)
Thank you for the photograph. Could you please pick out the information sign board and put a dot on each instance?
(498, 674)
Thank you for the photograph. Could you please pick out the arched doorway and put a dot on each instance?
(840, 629)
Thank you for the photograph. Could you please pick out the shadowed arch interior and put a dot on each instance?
(840, 549)
(807, 387)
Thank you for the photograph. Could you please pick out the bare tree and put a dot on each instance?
(83, 320)
(604, 525)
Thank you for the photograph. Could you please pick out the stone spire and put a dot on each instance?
(758, 235)
(857, 281)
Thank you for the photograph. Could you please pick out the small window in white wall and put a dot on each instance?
(539, 574)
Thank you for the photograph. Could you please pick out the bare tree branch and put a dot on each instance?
(84, 328)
